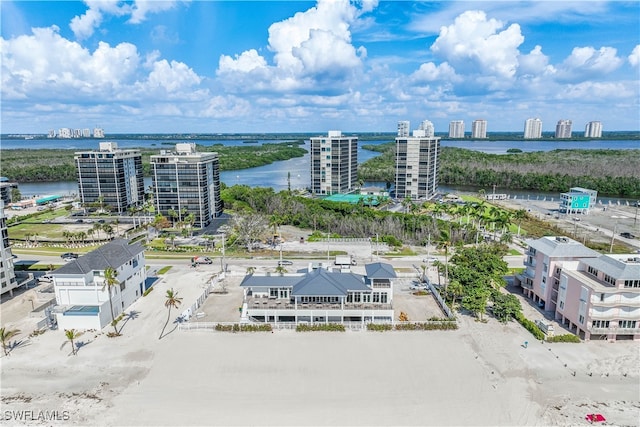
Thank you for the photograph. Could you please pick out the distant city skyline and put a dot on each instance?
(298, 66)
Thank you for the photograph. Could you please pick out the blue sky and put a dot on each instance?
(268, 66)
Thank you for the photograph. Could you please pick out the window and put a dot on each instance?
(600, 324)
(609, 279)
(601, 297)
(632, 283)
(627, 324)
(592, 271)
(561, 304)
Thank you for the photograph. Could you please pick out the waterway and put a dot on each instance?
(296, 172)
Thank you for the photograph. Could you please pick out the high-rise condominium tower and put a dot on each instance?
(479, 129)
(428, 129)
(187, 183)
(593, 130)
(403, 128)
(334, 163)
(8, 280)
(456, 129)
(110, 177)
(533, 129)
(563, 129)
(417, 166)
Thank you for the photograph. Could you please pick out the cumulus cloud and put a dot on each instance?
(45, 65)
(474, 43)
(141, 8)
(587, 62)
(312, 50)
(634, 58)
(430, 72)
(534, 63)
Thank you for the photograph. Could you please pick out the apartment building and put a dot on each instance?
(427, 127)
(417, 166)
(563, 129)
(533, 129)
(110, 177)
(578, 200)
(599, 298)
(334, 163)
(186, 182)
(456, 129)
(479, 129)
(82, 299)
(404, 128)
(8, 280)
(593, 130)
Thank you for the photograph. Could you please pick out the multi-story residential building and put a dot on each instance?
(6, 190)
(186, 182)
(427, 127)
(417, 166)
(110, 176)
(599, 298)
(540, 279)
(479, 129)
(593, 130)
(404, 128)
(319, 295)
(456, 129)
(86, 133)
(334, 163)
(8, 280)
(83, 300)
(577, 200)
(51, 133)
(65, 133)
(98, 133)
(533, 129)
(563, 129)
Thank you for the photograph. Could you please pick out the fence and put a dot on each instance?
(443, 305)
(186, 315)
(351, 326)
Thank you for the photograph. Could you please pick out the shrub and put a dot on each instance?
(236, 327)
(146, 292)
(564, 338)
(380, 327)
(426, 326)
(530, 326)
(330, 327)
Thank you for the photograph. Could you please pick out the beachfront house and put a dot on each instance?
(82, 300)
(320, 295)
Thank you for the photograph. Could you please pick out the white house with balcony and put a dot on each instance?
(320, 295)
(82, 299)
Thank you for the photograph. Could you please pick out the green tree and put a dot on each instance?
(16, 196)
(172, 300)
(72, 335)
(505, 306)
(111, 282)
(518, 216)
(5, 338)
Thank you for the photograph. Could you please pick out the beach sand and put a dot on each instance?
(479, 375)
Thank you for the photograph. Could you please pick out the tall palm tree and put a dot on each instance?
(445, 243)
(171, 301)
(71, 335)
(5, 337)
(251, 270)
(518, 216)
(111, 281)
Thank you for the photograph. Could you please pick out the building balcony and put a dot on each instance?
(282, 304)
(529, 262)
(611, 315)
(619, 303)
(614, 330)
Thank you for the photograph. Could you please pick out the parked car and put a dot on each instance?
(429, 260)
(284, 262)
(418, 286)
(69, 256)
(45, 278)
(201, 260)
(627, 235)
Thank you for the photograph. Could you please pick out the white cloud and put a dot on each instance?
(599, 90)
(634, 58)
(587, 62)
(172, 77)
(83, 26)
(474, 44)
(430, 72)
(141, 8)
(312, 50)
(534, 63)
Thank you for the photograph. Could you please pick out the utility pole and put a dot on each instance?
(613, 234)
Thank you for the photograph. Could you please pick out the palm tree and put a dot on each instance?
(445, 243)
(281, 269)
(171, 301)
(5, 336)
(111, 281)
(71, 335)
(250, 270)
(519, 215)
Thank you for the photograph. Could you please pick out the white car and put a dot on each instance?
(429, 260)
(46, 278)
(418, 286)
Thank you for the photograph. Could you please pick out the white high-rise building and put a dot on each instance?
(403, 128)
(98, 133)
(334, 163)
(593, 130)
(427, 127)
(563, 129)
(64, 133)
(479, 129)
(456, 129)
(417, 166)
(533, 129)
(8, 280)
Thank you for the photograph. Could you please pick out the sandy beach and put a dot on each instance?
(479, 375)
